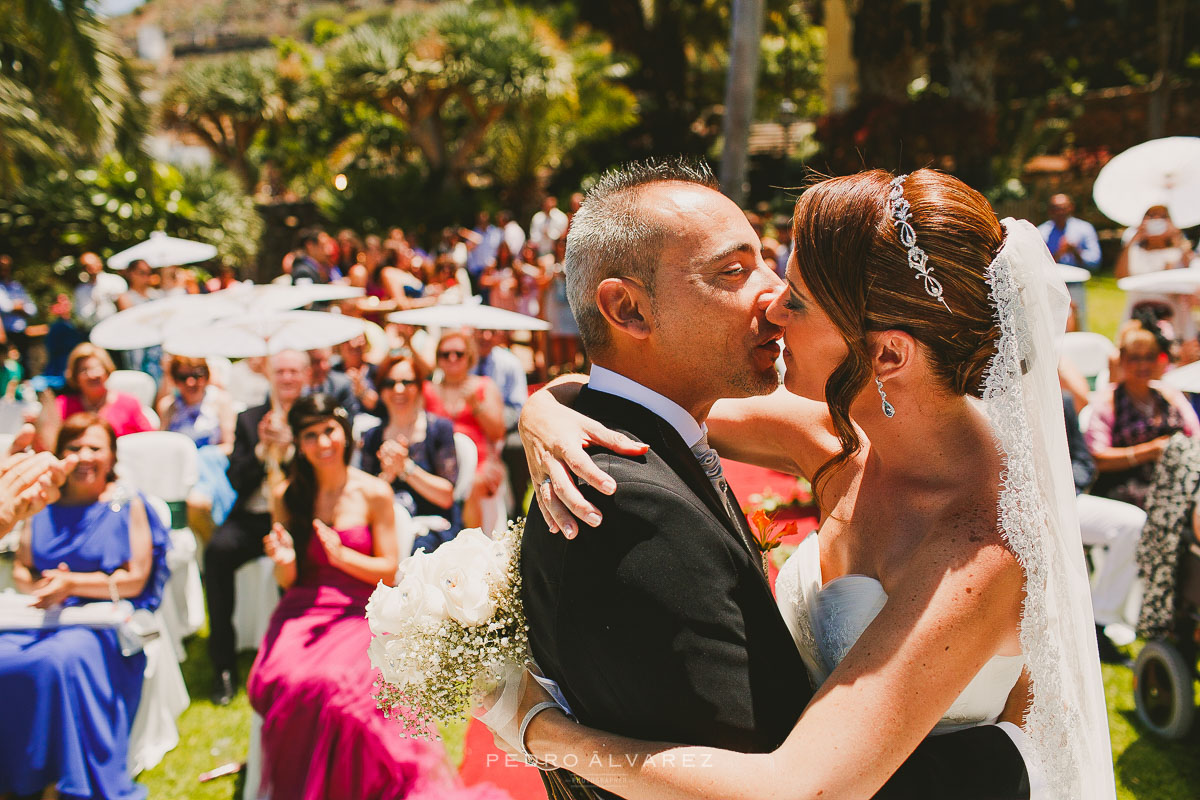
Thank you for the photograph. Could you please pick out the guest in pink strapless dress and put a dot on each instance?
(322, 736)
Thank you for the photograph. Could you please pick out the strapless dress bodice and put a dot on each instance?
(826, 620)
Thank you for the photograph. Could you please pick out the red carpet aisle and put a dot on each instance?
(483, 762)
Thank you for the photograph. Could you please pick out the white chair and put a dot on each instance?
(155, 731)
(162, 464)
(6, 440)
(152, 417)
(257, 595)
(246, 386)
(12, 417)
(136, 383)
(467, 455)
(220, 368)
(1089, 353)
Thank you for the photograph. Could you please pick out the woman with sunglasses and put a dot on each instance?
(413, 450)
(204, 413)
(473, 404)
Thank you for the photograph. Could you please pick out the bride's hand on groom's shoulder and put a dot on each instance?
(555, 438)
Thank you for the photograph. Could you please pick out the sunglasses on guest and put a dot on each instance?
(452, 355)
(183, 377)
(391, 383)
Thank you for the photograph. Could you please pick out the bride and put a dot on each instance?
(922, 399)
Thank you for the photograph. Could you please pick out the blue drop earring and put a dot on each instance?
(889, 410)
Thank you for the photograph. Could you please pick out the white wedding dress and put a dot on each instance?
(826, 620)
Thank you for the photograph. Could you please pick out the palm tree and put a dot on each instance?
(61, 70)
(449, 75)
(225, 103)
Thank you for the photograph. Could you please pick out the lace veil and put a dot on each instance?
(1067, 721)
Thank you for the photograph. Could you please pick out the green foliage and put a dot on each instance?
(540, 136)
(67, 91)
(111, 206)
(449, 74)
(225, 102)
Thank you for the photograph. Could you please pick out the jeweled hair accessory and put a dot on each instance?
(900, 212)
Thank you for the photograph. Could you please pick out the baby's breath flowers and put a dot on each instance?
(445, 633)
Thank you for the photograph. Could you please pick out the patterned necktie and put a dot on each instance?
(710, 462)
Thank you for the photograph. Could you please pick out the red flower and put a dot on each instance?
(768, 533)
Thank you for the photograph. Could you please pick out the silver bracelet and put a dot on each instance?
(529, 715)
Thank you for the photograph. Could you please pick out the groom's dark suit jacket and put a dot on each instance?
(661, 626)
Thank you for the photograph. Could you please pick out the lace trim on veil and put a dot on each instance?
(1060, 713)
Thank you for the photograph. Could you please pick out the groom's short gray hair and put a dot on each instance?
(612, 236)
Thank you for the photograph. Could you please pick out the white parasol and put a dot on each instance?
(1073, 274)
(1159, 172)
(469, 315)
(275, 297)
(1167, 281)
(264, 333)
(1185, 378)
(150, 323)
(161, 250)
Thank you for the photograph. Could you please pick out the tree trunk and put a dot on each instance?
(741, 83)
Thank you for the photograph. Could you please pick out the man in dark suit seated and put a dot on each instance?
(661, 625)
(262, 448)
(324, 379)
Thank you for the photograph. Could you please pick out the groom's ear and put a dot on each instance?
(626, 306)
(891, 353)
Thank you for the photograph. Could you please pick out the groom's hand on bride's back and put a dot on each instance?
(555, 438)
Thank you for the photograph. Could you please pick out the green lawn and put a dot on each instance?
(1146, 768)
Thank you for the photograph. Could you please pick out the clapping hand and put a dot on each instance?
(28, 482)
(279, 546)
(393, 457)
(54, 587)
(329, 540)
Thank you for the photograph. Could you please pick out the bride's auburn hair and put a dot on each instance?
(850, 257)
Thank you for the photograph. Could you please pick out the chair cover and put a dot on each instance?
(136, 383)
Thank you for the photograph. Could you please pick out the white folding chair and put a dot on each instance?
(467, 455)
(152, 417)
(155, 730)
(220, 368)
(257, 595)
(12, 417)
(136, 383)
(246, 386)
(1089, 353)
(162, 464)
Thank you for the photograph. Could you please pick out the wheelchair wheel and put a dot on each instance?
(1163, 690)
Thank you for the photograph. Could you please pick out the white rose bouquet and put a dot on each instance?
(446, 632)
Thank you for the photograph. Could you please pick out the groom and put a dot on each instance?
(661, 625)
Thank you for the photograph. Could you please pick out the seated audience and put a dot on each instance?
(88, 368)
(333, 540)
(262, 447)
(414, 451)
(474, 405)
(70, 694)
(1132, 422)
(204, 413)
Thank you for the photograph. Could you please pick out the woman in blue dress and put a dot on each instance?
(70, 695)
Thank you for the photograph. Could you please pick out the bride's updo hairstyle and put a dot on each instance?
(850, 257)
